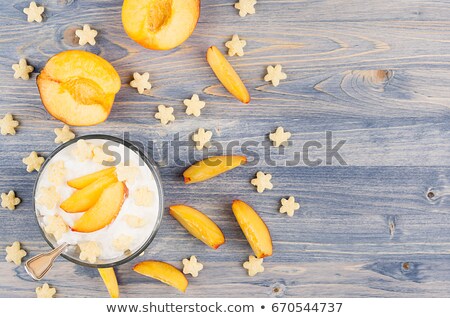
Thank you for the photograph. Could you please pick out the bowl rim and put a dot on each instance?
(150, 164)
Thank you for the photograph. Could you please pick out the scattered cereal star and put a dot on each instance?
(34, 12)
(134, 221)
(143, 196)
(262, 181)
(8, 125)
(194, 105)
(57, 172)
(22, 70)
(254, 265)
(63, 135)
(45, 291)
(56, 226)
(48, 197)
(83, 150)
(89, 251)
(33, 162)
(236, 46)
(274, 75)
(126, 173)
(100, 156)
(14, 253)
(280, 137)
(141, 82)
(123, 242)
(86, 35)
(165, 114)
(245, 7)
(202, 138)
(9, 201)
(289, 206)
(191, 266)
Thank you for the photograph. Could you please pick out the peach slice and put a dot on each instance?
(254, 228)
(211, 167)
(110, 280)
(160, 24)
(163, 272)
(78, 87)
(227, 75)
(104, 211)
(82, 182)
(82, 200)
(198, 224)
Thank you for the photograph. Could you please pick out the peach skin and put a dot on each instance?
(163, 272)
(210, 167)
(82, 182)
(109, 278)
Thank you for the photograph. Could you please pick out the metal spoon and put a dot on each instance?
(40, 264)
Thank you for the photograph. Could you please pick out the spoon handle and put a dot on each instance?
(40, 264)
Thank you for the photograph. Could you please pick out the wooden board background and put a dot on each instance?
(375, 73)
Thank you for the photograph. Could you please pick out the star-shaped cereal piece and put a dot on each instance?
(245, 7)
(89, 251)
(236, 46)
(275, 75)
(63, 135)
(143, 196)
(33, 12)
(100, 156)
(141, 82)
(192, 266)
(57, 172)
(262, 181)
(134, 221)
(254, 265)
(83, 150)
(14, 253)
(33, 162)
(48, 197)
(22, 70)
(289, 206)
(165, 114)
(202, 138)
(56, 226)
(45, 291)
(280, 137)
(8, 125)
(122, 242)
(86, 35)
(9, 201)
(127, 173)
(194, 105)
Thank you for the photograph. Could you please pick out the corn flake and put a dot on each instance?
(122, 243)
(8, 125)
(134, 221)
(194, 105)
(48, 197)
(86, 35)
(89, 251)
(63, 135)
(99, 156)
(9, 201)
(45, 291)
(245, 7)
(56, 226)
(275, 75)
(254, 265)
(165, 114)
(202, 138)
(83, 150)
(127, 173)
(33, 12)
(143, 196)
(33, 162)
(280, 137)
(289, 206)
(262, 181)
(15, 254)
(192, 266)
(141, 82)
(236, 46)
(57, 172)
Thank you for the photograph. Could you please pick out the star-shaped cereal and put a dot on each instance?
(57, 172)
(8, 125)
(122, 243)
(141, 82)
(22, 70)
(100, 156)
(89, 251)
(236, 46)
(33, 12)
(127, 173)
(165, 114)
(245, 7)
(56, 226)
(254, 265)
(48, 197)
(134, 221)
(202, 138)
(14, 253)
(45, 291)
(143, 196)
(289, 206)
(33, 162)
(280, 137)
(262, 181)
(275, 75)
(191, 266)
(86, 35)
(9, 201)
(83, 150)
(194, 105)
(63, 135)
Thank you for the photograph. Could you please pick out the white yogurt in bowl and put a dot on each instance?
(135, 225)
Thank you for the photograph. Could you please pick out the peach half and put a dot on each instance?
(163, 272)
(160, 24)
(78, 87)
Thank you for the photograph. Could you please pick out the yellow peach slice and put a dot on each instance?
(163, 272)
(82, 182)
(211, 167)
(82, 200)
(78, 87)
(160, 24)
(110, 280)
(104, 210)
(254, 228)
(198, 224)
(227, 75)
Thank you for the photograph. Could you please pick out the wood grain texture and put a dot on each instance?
(375, 73)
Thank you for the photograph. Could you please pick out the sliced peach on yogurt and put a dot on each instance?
(163, 272)
(210, 167)
(83, 181)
